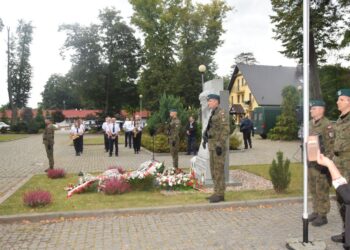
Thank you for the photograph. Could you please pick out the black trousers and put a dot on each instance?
(191, 144)
(137, 141)
(112, 143)
(78, 145)
(247, 139)
(128, 138)
(105, 136)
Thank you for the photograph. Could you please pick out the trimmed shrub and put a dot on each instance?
(145, 184)
(56, 173)
(33, 127)
(116, 186)
(235, 141)
(37, 198)
(280, 173)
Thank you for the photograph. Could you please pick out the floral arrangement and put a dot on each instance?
(150, 173)
(174, 179)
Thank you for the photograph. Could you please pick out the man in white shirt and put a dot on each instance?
(75, 133)
(105, 135)
(82, 127)
(128, 127)
(112, 131)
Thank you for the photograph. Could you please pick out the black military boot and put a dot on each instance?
(312, 216)
(216, 198)
(339, 238)
(320, 221)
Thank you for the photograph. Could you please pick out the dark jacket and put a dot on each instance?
(344, 192)
(192, 130)
(247, 126)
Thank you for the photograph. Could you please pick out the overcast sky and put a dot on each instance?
(248, 29)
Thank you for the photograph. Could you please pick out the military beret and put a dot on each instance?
(345, 92)
(317, 103)
(213, 96)
(173, 110)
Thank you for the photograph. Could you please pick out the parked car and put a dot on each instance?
(4, 126)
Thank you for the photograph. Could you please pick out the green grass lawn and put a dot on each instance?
(11, 137)
(93, 201)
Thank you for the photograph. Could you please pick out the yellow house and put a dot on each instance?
(252, 86)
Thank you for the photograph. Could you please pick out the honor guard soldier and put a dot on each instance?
(48, 141)
(174, 137)
(75, 133)
(137, 134)
(342, 147)
(216, 133)
(319, 177)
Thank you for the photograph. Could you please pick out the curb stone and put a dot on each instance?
(36, 217)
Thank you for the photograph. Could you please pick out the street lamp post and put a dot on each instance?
(140, 104)
(202, 69)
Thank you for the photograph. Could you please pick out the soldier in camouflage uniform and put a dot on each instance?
(216, 134)
(319, 178)
(342, 147)
(48, 141)
(174, 137)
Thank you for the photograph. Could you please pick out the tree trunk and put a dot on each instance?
(315, 86)
(9, 81)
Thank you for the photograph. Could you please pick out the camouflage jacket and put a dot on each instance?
(342, 136)
(49, 134)
(174, 130)
(325, 129)
(219, 129)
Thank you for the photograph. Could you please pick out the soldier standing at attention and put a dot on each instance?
(342, 148)
(174, 137)
(48, 141)
(319, 177)
(216, 133)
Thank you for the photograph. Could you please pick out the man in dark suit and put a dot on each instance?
(191, 129)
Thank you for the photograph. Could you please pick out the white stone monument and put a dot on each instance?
(200, 163)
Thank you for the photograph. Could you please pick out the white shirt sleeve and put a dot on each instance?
(338, 182)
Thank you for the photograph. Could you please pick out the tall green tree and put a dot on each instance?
(286, 126)
(19, 69)
(333, 78)
(179, 36)
(60, 93)
(246, 58)
(328, 22)
(106, 58)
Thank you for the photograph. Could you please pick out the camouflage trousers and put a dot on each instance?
(319, 186)
(174, 151)
(49, 153)
(217, 170)
(344, 167)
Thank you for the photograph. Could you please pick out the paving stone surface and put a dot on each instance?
(250, 228)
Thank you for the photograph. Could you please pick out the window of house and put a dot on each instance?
(238, 98)
(231, 99)
(250, 97)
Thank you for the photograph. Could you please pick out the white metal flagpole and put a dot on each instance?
(306, 42)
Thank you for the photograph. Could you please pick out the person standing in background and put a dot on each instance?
(128, 128)
(81, 138)
(105, 135)
(137, 134)
(75, 133)
(191, 129)
(174, 137)
(112, 131)
(48, 141)
(247, 128)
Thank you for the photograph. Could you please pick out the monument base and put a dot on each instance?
(298, 244)
(230, 183)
